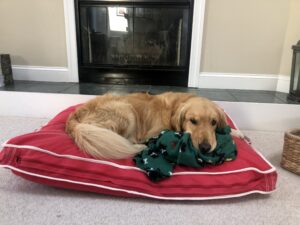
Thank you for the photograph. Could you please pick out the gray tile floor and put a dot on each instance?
(98, 89)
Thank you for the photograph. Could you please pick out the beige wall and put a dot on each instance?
(240, 36)
(33, 32)
(244, 36)
(292, 36)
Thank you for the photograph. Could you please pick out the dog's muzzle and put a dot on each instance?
(204, 147)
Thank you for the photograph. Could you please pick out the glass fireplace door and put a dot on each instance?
(106, 34)
(134, 41)
(133, 35)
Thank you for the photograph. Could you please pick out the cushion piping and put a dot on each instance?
(136, 192)
(34, 148)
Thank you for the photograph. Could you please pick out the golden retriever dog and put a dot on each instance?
(115, 127)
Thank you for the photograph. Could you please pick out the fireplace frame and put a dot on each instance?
(70, 73)
(135, 74)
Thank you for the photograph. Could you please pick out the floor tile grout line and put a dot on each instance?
(63, 91)
(279, 99)
(230, 93)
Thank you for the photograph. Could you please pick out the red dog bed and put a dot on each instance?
(49, 156)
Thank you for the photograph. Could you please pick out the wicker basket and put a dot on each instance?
(291, 151)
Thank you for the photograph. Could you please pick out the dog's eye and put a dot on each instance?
(213, 122)
(193, 121)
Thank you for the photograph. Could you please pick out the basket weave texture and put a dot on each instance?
(291, 151)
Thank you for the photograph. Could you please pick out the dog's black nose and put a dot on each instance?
(205, 147)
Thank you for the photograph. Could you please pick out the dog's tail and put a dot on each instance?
(100, 142)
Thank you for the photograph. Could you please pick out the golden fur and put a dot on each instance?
(114, 127)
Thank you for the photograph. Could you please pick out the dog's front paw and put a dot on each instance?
(140, 147)
(239, 134)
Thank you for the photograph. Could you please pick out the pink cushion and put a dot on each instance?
(49, 156)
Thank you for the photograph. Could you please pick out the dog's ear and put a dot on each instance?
(222, 121)
(177, 118)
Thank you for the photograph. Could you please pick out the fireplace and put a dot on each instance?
(134, 42)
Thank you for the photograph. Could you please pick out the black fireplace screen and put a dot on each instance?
(134, 36)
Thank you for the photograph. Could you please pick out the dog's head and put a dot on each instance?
(200, 117)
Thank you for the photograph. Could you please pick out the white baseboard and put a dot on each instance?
(206, 79)
(41, 73)
(283, 84)
(247, 115)
(268, 82)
